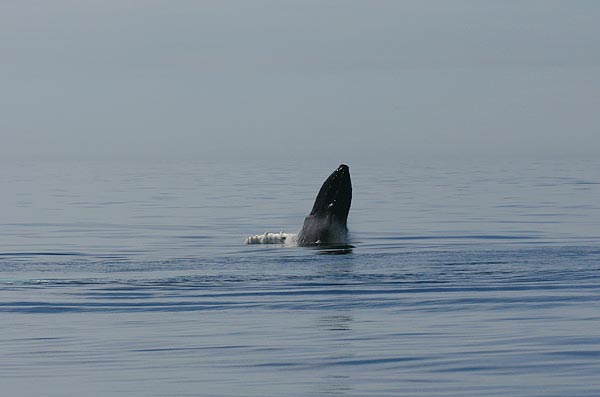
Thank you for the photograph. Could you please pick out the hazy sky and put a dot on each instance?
(299, 79)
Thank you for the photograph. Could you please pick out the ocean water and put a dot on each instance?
(464, 279)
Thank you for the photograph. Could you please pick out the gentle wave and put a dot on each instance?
(32, 254)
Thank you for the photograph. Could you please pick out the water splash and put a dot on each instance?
(272, 238)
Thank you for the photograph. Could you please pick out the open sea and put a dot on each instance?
(464, 279)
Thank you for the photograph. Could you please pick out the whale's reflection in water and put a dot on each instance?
(338, 326)
(337, 322)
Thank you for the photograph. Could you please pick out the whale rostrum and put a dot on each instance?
(327, 221)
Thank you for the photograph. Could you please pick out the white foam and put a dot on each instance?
(272, 238)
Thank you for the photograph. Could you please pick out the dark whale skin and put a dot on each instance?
(327, 221)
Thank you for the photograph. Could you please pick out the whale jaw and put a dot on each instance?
(327, 221)
(322, 230)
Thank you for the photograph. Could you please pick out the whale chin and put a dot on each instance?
(317, 231)
(327, 221)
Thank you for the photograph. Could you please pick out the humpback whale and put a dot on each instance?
(327, 221)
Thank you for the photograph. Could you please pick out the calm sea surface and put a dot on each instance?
(466, 279)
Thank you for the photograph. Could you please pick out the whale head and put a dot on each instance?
(327, 221)
(335, 195)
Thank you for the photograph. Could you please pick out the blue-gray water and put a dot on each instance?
(466, 279)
